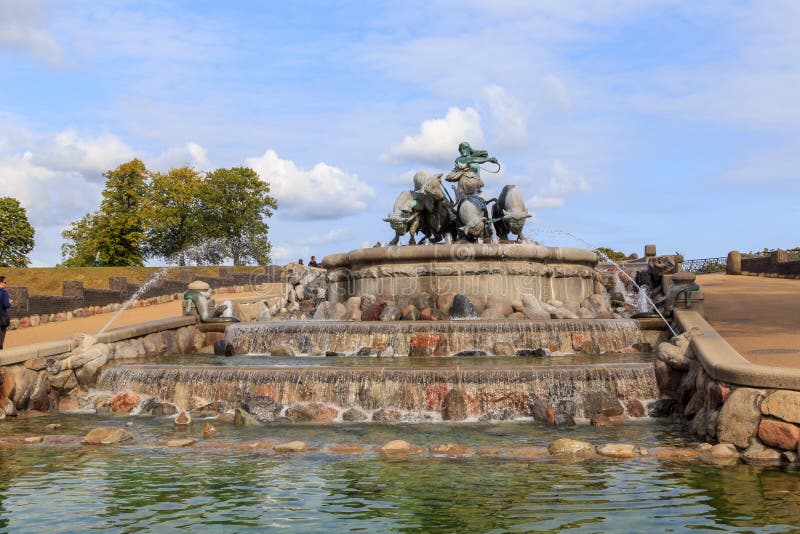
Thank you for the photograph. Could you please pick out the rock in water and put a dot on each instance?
(106, 436)
(263, 408)
(242, 418)
(292, 446)
(601, 402)
(454, 406)
(180, 442)
(208, 430)
(568, 446)
(183, 419)
(462, 308)
(124, 402)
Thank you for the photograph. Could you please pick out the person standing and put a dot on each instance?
(5, 304)
(313, 262)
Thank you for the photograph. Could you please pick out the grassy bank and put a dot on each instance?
(48, 280)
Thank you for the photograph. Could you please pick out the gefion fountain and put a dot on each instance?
(466, 324)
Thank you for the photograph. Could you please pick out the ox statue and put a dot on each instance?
(509, 213)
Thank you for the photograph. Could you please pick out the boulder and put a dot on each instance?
(346, 448)
(462, 308)
(353, 414)
(782, 404)
(568, 446)
(492, 313)
(410, 313)
(444, 302)
(503, 306)
(124, 402)
(723, 451)
(18, 384)
(321, 311)
(423, 300)
(601, 402)
(662, 408)
(760, 455)
(242, 418)
(739, 417)
(543, 412)
(158, 408)
(292, 446)
(454, 406)
(282, 351)
(367, 300)
(778, 434)
(263, 408)
(386, 352)
(391, 312)
(183, 419)
(563, 420)
(386, 416)
(209, 409)
(182, 442)
(451, 449)
(373, 311)
(634, 408)
(617, 450)
(209, 430)
(400, 446)
(353, 304)
(336, 312)
(106, 436)
(503, 348)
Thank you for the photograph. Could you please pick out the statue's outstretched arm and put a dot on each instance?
(467, 160)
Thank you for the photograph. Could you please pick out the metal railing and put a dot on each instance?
(705, 265)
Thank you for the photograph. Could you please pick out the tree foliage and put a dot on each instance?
(16, 234)
(181, 216)
(172, 212)
(235, 203)
(116, 230)
(611, 254)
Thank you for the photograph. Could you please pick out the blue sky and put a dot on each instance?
(623, 122)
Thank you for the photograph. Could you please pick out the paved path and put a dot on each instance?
(759, 317)
(92, 325)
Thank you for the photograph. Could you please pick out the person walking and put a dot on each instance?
(5, 304)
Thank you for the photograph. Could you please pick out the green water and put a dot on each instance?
(217, 486)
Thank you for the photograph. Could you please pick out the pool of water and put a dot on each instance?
(400, 362)
(218, 486)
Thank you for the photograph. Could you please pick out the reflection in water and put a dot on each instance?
(147, 487)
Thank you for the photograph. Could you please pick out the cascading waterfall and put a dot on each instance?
(419, 391)
(318, 337)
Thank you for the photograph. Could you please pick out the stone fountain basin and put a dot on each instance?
(476, 270)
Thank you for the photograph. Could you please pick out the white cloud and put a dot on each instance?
(322, 192)
(67, 150)
(335, 235)
(562, 183)
(537, 201)
(508, 117)
(21, 30)
(438, 139)
(190, 154)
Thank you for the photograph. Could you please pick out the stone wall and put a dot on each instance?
(76, 301)
(774, 265)
(50, 377)
(753, 410)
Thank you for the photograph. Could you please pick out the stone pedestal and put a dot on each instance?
(478, 271)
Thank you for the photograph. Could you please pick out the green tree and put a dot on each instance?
(235, 203)
(16, 234)
(81, 244)
(117, 229)
(611, 254)
(172, 214)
